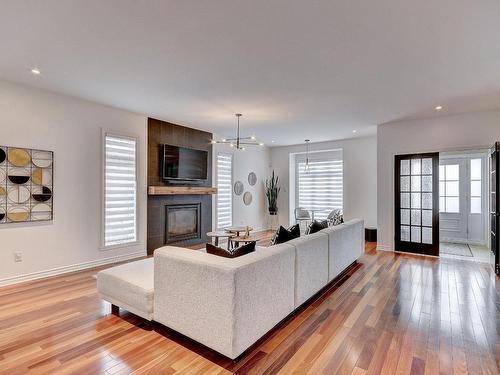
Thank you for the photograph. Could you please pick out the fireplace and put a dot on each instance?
(182, 222)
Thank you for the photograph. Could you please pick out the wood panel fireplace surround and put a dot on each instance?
(179, 214)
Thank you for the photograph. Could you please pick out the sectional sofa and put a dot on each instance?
(228, 304)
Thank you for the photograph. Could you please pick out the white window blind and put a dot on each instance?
(321, 187)
(224, 190)
(120, 190)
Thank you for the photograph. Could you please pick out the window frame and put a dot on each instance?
(105, 133)
(442, 194)
(231, 156)
(318, 156)
(471, 180)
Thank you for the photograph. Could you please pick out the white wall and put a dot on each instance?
(72, 129)
(446, 133)
(255, 159)
(360, 176)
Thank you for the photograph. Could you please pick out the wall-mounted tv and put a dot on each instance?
(183, 164)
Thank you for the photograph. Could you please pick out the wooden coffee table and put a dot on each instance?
(237, 230)
(220, 234)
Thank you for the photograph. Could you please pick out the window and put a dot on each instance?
(320, 189)
(475, 186)
(120, 190)
(224, 190)
(449, 188)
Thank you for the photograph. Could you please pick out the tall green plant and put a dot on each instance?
(272, 192)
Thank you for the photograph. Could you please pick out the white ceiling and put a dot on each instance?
(295, 68)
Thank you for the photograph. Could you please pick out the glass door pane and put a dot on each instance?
(417, 203)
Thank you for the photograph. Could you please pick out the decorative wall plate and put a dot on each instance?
(238, 188)
(252, 178)
(247, 198)
(19, 157)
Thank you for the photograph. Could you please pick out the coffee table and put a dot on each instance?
(238, 229)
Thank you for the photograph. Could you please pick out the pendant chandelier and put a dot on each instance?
(240, 142)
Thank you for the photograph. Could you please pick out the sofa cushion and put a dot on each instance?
(129, 286)
(346, 245)
(316, 226)
(283, 235)
(234, 253)
(311, 265)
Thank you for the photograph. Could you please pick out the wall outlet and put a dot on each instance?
(18, 256)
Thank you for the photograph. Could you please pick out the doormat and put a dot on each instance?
(459, 249)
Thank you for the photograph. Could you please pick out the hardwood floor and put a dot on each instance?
(394, 314)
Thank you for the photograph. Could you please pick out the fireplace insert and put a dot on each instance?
(182, 222)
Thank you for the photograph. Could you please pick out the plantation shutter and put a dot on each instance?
(321, 187)
(224, 190)
(120, 190)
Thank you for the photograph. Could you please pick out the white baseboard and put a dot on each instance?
(70, 268)
(382, 247)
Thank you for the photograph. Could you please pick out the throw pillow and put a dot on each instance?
(283, 235)
(294, 231)
(337, 218)
(316, 226)
(234, 253)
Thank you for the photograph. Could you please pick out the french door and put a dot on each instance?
(417, 203)
(495, 205)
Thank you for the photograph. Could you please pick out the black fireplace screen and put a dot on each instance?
(182, 222)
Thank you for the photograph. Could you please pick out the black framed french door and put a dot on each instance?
(495, 204)
(417, 203)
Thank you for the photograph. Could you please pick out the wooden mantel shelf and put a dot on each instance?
(181, 190)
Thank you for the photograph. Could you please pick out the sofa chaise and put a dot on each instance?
(229, 304)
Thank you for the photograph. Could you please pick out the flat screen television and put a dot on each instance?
(183, 164)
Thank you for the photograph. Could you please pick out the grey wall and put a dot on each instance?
(72, 128)
(360, 176)
(446, 133)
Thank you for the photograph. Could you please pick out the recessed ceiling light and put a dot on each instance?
(261, 144)
(438, 108)
(354, 131)
(253, 137)
(35, 71)
(272, 141)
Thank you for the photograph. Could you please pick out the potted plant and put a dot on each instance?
(272, 191)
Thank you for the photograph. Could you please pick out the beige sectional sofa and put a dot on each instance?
(228, 304)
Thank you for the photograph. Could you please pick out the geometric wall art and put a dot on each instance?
(26, 185)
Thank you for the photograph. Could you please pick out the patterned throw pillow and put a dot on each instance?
(337, 218)
(316, 226)
(283, 235)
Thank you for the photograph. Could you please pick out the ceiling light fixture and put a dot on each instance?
(35, 71)
(438, 108)
(354, 131)
(239, 142)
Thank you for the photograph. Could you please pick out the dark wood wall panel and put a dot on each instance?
(161, 132)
